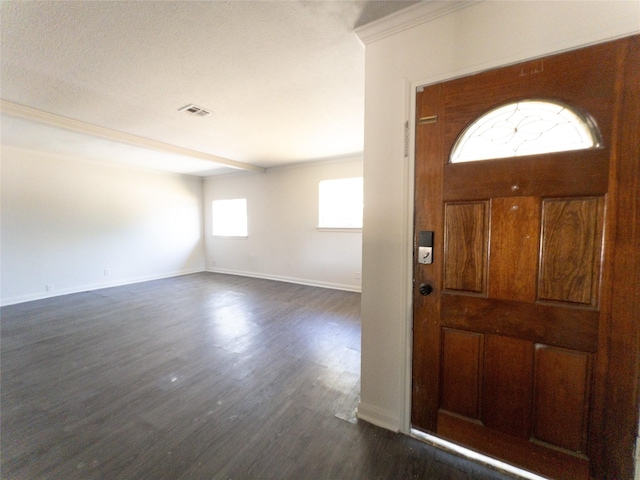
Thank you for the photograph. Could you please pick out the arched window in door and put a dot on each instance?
(526, 127)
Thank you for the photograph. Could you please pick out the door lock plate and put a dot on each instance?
(425, 247)
(425, 255)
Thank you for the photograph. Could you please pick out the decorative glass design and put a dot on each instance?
(525, 128)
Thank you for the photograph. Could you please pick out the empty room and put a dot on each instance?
(320, 239)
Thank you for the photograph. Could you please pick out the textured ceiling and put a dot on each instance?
(284, 80)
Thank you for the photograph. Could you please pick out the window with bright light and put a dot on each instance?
(341, 203)
(527, 127)
(229, 217)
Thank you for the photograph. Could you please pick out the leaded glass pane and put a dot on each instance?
(525, 128)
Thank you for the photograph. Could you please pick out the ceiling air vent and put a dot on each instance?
(194, 110)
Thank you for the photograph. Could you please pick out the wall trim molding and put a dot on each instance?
(407, 18)
(30, 297)
(378, 416)
(282, 278)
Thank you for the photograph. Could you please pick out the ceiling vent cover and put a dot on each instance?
(194, 110)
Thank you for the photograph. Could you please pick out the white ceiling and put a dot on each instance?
(284, 80)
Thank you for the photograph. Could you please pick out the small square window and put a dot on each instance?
(340, 203)
(229, 217)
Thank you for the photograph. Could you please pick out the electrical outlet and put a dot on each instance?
(49, 287)
(357, 275)
(107, 272)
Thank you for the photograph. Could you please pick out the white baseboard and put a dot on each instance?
(281, 278)
(96, 286)
(379, 417)
(118, 283)
(637, 473)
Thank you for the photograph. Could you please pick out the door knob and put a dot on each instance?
(425, 289)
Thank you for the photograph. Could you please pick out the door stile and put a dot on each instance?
(597, 422)
(428, 217)
(617, 399)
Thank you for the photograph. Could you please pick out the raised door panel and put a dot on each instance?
(561, 397)
(507, 385)
(461, 371)
(465, 247)
(570, 257)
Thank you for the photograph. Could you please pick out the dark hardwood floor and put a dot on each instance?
(203, 376)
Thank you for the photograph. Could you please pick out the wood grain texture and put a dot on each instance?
(561, 397)
(462, 354)
(507, 385)
(559, 175)
(200, 376)
(570, 250)
(465, 249)
(428, 216)
(547, 461)
(615, 418)
(580, 77)
(515, 232)
(604, 81)
(565, 327)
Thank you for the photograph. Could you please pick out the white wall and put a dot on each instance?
(65, 221)
(284, 242)
(401, 54)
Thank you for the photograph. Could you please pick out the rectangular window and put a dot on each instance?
(341, 203)
(229, 217)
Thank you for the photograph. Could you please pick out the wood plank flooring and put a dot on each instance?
(203, 376)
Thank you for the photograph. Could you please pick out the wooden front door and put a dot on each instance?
(515, 333)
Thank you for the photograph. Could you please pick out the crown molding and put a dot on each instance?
(78, 126)
(407, 18)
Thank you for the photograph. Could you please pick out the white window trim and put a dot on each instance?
(340, 229)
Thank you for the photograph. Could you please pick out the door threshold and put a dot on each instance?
(474, 456)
